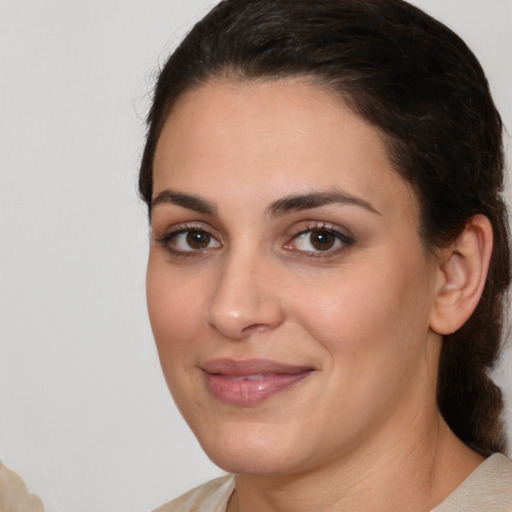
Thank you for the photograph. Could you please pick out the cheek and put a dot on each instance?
(175, 310)
(376, 310)
(372, 327)
(175, 305)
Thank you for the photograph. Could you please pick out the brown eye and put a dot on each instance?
(315, 241)
(322, 240)
(198, 239)
(189, 241)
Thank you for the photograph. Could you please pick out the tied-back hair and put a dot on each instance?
(419, 84)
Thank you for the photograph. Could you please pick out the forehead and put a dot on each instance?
(272, 138)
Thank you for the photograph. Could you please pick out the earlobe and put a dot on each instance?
(462, 273)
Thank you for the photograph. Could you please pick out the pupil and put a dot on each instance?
(322, 240)
(198, 239)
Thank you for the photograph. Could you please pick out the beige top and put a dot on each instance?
(487, 489)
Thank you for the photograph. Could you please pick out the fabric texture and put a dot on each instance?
(212, 496)
(487, 489)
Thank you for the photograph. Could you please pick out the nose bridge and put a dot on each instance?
(242, 300)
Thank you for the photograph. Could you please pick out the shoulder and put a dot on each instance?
(488, 488)
(212, 496)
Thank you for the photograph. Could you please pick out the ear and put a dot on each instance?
(461, 276)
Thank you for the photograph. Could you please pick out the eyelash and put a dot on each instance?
(341, 239)
(167, 239)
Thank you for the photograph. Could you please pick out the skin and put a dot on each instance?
(359, 314)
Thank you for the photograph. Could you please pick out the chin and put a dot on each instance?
(252, 452)
(251, 463)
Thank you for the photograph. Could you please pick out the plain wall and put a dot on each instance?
(85, 416)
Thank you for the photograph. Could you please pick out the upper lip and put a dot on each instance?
(235, 367)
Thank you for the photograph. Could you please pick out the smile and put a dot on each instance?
(249, 382)
(258, 376)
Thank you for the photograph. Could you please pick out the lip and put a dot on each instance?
(250, 381)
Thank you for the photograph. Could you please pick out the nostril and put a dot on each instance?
(256, 328)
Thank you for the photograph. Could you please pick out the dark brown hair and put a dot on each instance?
(420, 85)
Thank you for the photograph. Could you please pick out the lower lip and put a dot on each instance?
(237, 391)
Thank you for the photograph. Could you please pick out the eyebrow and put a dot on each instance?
(188, 201)
(315, 200)
(282, 206)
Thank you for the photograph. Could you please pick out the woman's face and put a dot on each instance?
(288, 289)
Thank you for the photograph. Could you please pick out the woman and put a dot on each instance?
(329, 258)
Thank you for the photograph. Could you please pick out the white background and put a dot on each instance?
(85, 416)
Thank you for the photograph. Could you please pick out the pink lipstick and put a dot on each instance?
(247, 382)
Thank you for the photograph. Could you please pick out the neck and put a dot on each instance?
(414, 473)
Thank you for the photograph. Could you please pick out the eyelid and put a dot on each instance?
(346, 239)
(308, 225)
(175, 230)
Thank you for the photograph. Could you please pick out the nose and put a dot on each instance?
(245, 298)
